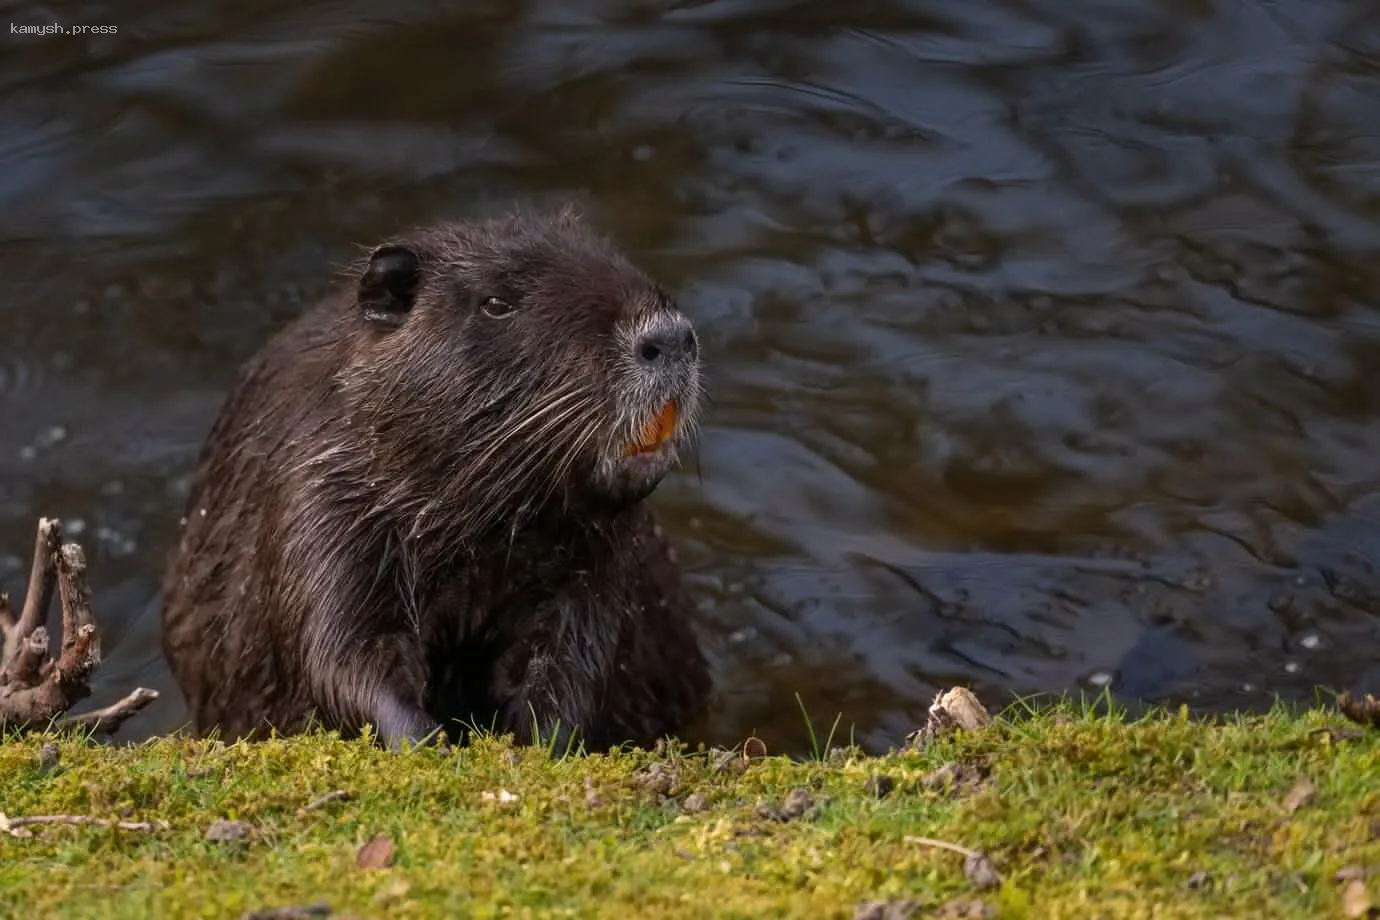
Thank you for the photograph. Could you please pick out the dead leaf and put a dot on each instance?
(1355, 899)
(376, 854)
(1303, 794)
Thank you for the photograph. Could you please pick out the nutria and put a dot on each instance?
(422, 505)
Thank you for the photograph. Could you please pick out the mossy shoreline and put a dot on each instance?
(1067, 812)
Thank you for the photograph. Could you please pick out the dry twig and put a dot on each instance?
(42, 577)
(941, 845)
(108, 719)
(337, 795)
(37, 690)
(18, 827)
(976, 866)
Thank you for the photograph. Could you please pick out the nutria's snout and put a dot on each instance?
(667, 341)
(659, 400)
(665, 361)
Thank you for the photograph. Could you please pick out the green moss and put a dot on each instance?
(1083, 815)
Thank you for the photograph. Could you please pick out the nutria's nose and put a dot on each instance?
(668, 341)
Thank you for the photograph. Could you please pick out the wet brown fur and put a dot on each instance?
(391, 524)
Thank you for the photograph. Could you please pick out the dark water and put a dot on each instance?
(1042, 335)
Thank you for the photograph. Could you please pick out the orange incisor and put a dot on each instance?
(656, 431)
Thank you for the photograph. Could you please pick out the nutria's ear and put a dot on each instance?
(388, 286)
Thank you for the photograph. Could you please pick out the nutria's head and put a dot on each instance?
(495, 366)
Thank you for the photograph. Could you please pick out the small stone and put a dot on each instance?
(768, 812)
(228, 831)
(980, 871)
(657, 780)
(961, 909)
(885, 910)
(954, 777)
(798, 801)
(693, 804)
(48, 757)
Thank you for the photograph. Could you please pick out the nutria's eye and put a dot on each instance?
(497, 308)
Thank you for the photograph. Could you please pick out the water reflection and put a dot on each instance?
(1041, 334)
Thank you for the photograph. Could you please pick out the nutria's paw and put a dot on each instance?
(401, 727)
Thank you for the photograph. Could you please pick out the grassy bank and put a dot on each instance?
(1074, 815)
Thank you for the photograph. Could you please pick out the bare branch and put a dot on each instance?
(37, 688)
(18, 827)
(26, 668)
(76, 602)
(109, 718)
(39, 596)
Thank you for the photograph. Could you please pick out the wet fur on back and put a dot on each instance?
(418, 505)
